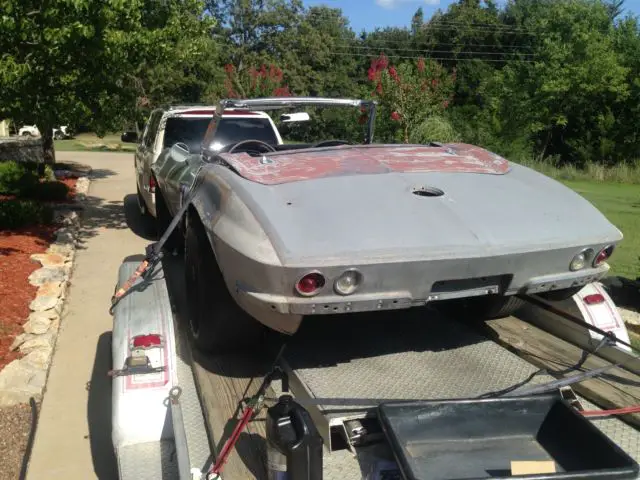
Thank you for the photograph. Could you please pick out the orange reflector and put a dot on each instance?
(593, 299)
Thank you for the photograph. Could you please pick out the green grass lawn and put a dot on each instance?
(620, 203)
(90, 142)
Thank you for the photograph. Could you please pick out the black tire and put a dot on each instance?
(59, 136)
(559, 295)
(482, 308)
(175, 242)
(216, 322)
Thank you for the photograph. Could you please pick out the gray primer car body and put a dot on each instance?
(490, 227)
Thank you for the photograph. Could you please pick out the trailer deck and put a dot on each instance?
(415, 354)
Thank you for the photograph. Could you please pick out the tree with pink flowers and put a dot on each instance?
(410, 92)
(266, 81)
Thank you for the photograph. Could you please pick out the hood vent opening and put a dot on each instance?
(427, 192)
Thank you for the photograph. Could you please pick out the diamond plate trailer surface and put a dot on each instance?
(421, 356)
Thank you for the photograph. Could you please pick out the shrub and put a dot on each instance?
(16, 177)
(21, 213)
(48, 191)
(434, 129)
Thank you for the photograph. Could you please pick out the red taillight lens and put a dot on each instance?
(603, 255)
(593, 299)
(147, 341)
(152, 184)
(310, 284)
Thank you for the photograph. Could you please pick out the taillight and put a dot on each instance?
(147, 341)
(310, 284)
(348, 282)
(603, 255)
(152, 184)
(593, 299)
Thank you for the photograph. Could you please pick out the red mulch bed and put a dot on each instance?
(16, 248)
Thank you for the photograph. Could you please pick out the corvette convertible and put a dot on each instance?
(277, 231)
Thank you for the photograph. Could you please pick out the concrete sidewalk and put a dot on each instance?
(73, 439)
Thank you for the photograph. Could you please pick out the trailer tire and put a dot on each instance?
(216, 322)
(163, 219)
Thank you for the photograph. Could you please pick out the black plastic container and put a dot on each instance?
(478, 439)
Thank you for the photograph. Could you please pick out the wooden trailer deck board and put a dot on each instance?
(223, 381)
(616, 389)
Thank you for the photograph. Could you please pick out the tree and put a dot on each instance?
(88, 61)
(254, 82)
(411, 93)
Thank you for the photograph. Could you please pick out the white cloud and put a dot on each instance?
(394, 3)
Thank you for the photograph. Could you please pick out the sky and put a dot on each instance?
(368, 14)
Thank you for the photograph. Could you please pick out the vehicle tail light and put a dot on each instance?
(593, 299)
(152, 184)
(578, 262)
(603, 255)
(348, 282)
(310, 284)
(147, 341)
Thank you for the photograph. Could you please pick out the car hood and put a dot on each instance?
(373, 217)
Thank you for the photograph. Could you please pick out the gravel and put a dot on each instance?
(15, 425)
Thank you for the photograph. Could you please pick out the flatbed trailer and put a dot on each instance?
(414, 354)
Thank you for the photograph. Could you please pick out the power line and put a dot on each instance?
(436, 51)
(365, 55)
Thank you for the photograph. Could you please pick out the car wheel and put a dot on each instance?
(26, 134)
(482, 308)
(216, 322)
(559, 295)
(163, 219)
(58, 136)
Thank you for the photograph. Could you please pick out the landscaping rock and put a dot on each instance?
(19, 340)
(39, 359)
(15, 374)
(65, 236)
(36, 342)
(43, 302)
(47, 275)
(49, 260)
(39, 322)
(63, 249)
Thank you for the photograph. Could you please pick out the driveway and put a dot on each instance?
(73, 438)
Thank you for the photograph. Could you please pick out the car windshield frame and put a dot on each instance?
(281, 103)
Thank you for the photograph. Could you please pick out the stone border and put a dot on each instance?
(26, 377)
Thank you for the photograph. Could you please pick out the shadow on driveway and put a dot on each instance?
(99, 412)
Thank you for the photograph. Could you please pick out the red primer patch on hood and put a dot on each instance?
(298, 165)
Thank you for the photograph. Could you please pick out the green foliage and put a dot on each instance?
(21, 213)
(98, 62)
(15, 178)
(411, 93)
(435, 128)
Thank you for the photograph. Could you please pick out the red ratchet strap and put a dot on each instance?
(127, 285)
(615, 411)
(231, 442)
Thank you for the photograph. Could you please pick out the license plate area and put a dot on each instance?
(469, 287)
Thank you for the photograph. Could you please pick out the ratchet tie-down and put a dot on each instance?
(153, 252)
(250, 409)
